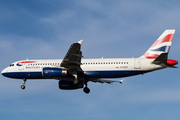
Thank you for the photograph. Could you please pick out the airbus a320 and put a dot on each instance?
(73, 72)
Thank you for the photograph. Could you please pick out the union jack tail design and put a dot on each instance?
(162, 45)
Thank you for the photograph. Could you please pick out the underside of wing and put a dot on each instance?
(106, 81)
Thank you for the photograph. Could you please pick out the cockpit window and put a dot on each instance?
(11, 65)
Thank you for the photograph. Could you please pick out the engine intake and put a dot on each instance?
(53, 72)
(69, 85)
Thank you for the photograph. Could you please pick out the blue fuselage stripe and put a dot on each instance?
(103, 74)
(27, 75)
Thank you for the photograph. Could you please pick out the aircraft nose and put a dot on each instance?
(4, 72)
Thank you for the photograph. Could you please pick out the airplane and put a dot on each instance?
(73, 72)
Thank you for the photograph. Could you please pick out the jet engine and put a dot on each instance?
(69, 85)
(53, 72)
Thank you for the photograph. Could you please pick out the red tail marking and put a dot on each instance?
(151, 56)
(167, 38)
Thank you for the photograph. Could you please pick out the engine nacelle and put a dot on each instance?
(69, 85)
(53, 72)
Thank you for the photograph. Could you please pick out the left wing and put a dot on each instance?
(72, 59)
(72, 62)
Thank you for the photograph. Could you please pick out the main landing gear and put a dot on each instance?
(86, 89)
(23, 86)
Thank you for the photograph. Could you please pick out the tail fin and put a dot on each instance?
(162, 45)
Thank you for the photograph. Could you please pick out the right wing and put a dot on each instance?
(106, 81)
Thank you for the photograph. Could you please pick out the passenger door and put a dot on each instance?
(137, 63)
(21, 66)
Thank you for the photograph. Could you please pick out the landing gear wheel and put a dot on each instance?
(86, 90)
(24, 82)
(23, 87)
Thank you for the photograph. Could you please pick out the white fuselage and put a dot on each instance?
(107, 68)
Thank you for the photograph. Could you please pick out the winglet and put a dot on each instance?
(80, 42)
(121, 81)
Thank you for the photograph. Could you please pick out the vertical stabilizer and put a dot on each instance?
(162, 45)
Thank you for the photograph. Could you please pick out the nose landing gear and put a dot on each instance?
(24, 82)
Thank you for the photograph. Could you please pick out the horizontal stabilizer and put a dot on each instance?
(162, 58)
(173, 66)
